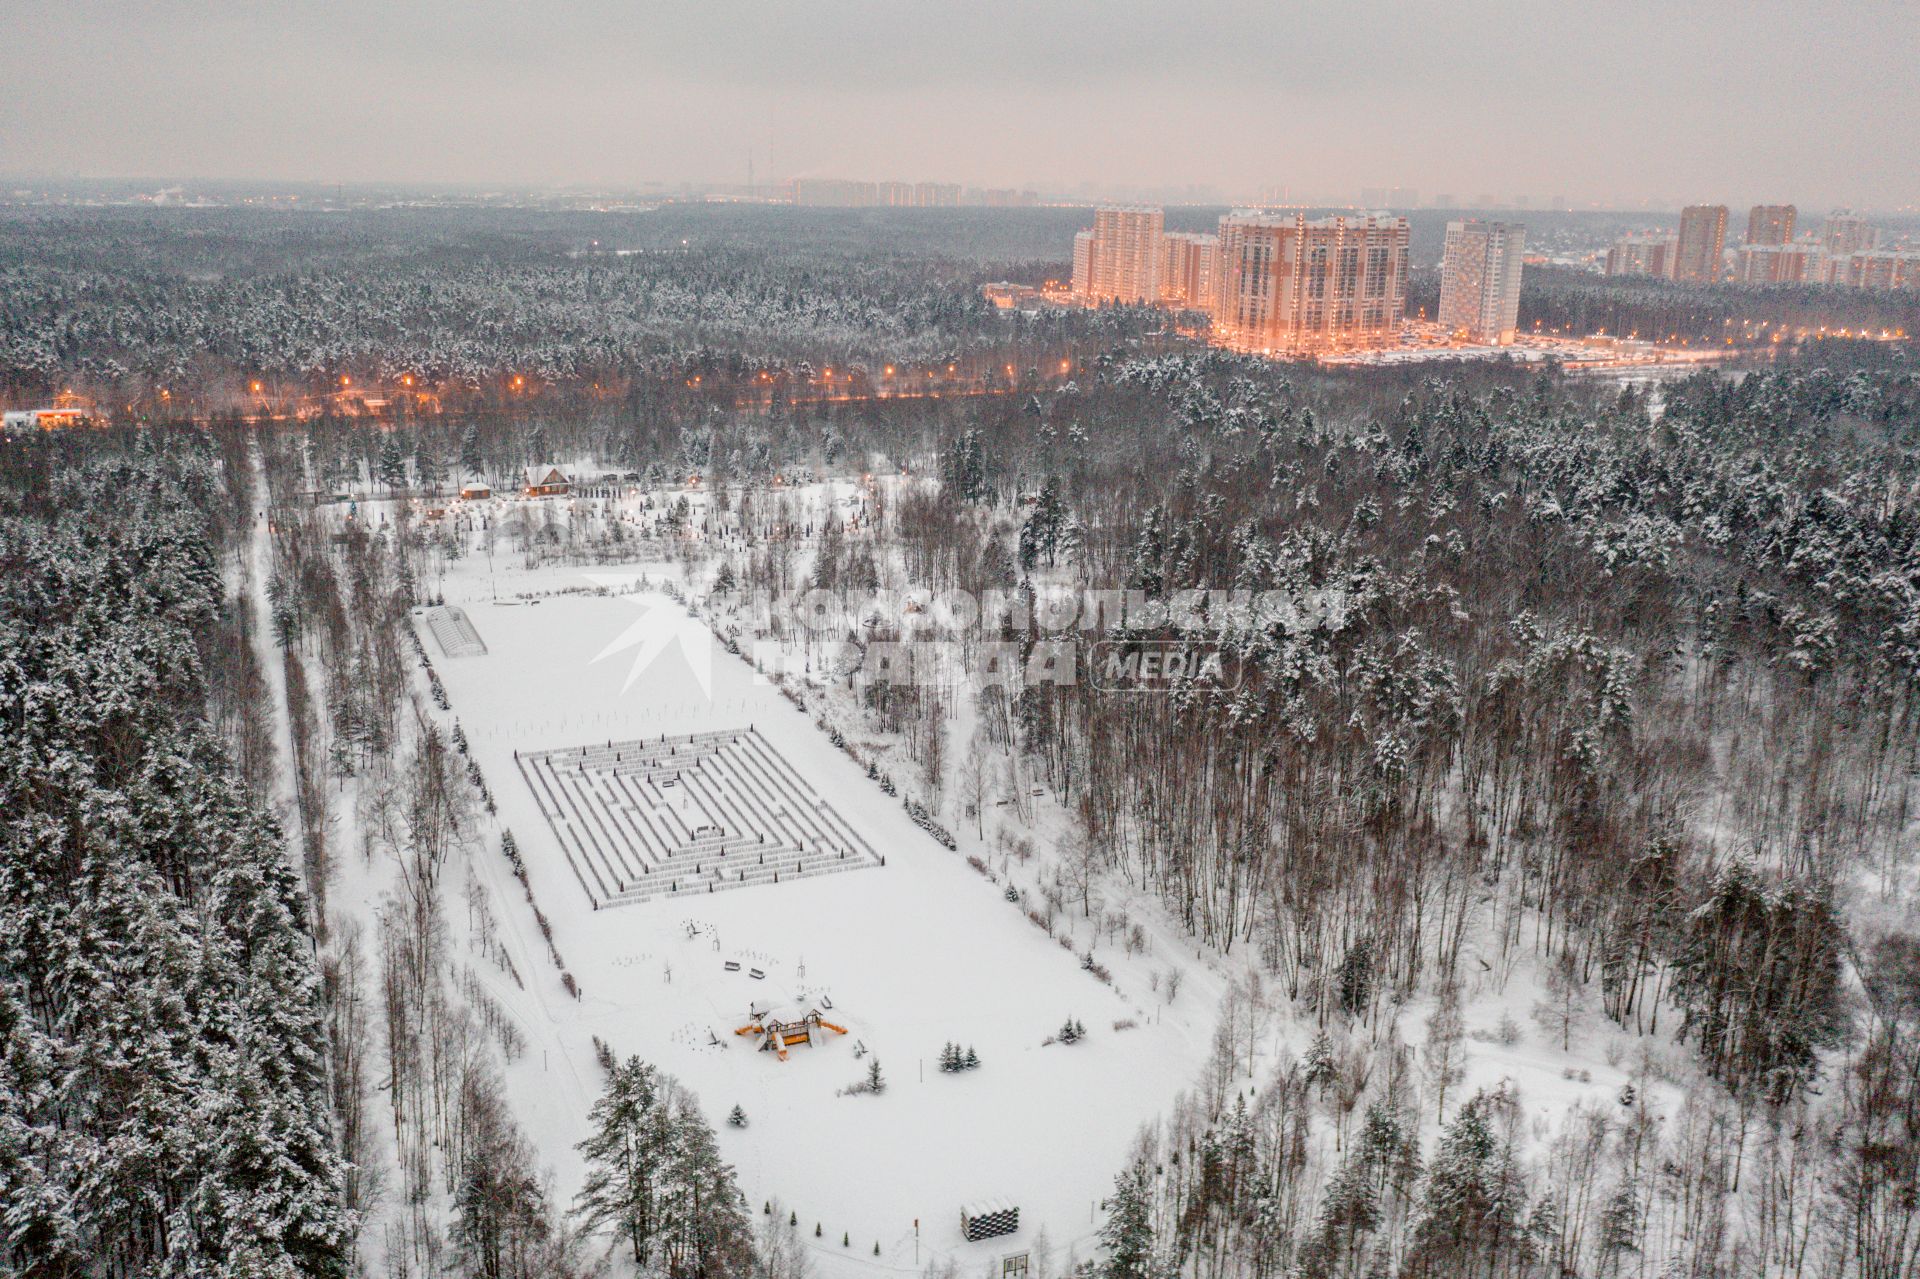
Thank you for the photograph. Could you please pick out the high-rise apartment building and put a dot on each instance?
(1699, 254)
(1480, 279)
(1126, 254)
(1846, 232)
(835, 193)
(1188, 268)
(1795, 263)
(1771, 224)
(1879, 269)
(928, 195)
(840, 193)
(1642, 253)
(1085, 248)
(1290, 285)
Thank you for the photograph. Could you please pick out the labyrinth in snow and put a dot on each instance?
(674, 816)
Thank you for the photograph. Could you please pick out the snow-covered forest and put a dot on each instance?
(163, 1055)
(203, 308)
(1589, 753)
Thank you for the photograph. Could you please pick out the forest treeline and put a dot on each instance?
(190, 312)
(163, 1067)
(192, 1062)
(1564, 300)
(1618, 689)
(204, 308)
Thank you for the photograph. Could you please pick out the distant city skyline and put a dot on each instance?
(1127, 100)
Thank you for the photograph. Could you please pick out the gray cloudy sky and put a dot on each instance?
(1817, 102)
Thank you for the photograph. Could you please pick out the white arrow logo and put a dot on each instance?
(659, 630)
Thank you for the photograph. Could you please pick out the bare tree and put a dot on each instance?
(1441, 1053)
(1559, 1012)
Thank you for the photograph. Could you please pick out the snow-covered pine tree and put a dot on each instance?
(1127, 1233)
(623, 1153)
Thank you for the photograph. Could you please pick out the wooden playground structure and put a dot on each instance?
(781, 1031)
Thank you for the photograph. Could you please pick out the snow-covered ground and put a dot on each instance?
(913, 954)
(907, 956)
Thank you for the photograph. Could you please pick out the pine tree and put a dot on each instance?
(1543, 1228)
(973, 1059)
(393, 464)
(876, 1082)
(1127, 1233)
(1471, 1209)
(623, 1155)
(1356, 978)
(737, 1117)
(1318, 1069)
(1390, 1150)
(703, 1224)
(471, 462)
(1349, 1211)
(428, 466)
(1619, 1227)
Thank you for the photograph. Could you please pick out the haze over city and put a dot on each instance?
(1626, 106)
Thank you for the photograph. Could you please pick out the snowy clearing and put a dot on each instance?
(907, 957)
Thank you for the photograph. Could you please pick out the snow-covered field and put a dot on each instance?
(913, 954)
(906, 956)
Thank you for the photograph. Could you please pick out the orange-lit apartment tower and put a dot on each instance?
(1771, 224)
(1642, 253)
(1699, 254)
(1188, 268)
(1847, 232)
(1880, 269)
(1800, 262)
(1126, 258)
(1085, 250)
(1480, 279)
(1290, 285)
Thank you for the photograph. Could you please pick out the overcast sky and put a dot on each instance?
(1738, 100)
